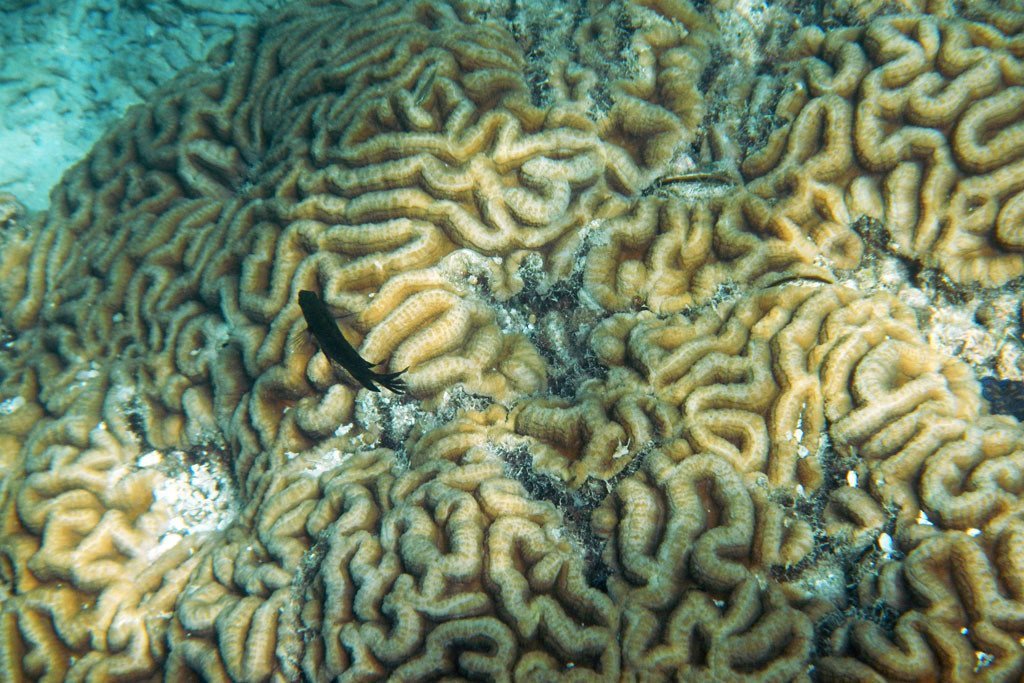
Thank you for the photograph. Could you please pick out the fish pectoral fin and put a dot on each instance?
(297, 338)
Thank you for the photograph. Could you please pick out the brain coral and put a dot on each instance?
(913, 121)
(650, 434)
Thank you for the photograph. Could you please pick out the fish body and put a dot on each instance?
(332, 342)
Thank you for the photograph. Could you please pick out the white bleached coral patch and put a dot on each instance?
(198, 496)
(12, 405)
(328, 460)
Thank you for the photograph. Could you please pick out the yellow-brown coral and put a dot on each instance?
(649, 436)
(911, 121)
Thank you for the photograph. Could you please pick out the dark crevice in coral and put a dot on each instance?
(134, 416)
(576, 507)
(530, 38)
(855, 565)
(878, 241)
(834, 554)
(571, 364)
(944, 287)
(212, 452)
(1005, 396)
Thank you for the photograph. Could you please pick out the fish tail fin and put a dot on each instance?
(392, 381)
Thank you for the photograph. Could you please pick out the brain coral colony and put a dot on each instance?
(685, 294)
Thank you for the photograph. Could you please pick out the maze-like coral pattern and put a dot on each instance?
(749, 471)
(912, 121)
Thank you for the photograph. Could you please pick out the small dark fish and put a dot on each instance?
(334, 345)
